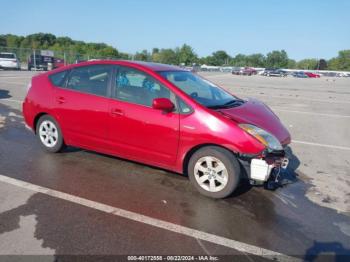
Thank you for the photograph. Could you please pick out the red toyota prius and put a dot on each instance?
(159, 115)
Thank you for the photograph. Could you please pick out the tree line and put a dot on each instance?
(184, 55)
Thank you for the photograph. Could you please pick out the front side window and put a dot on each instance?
(90, 79)
(137, 87)
(201, 90)
(183, 107)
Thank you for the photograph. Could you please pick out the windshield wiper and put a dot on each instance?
(236, 101)
(231, 103)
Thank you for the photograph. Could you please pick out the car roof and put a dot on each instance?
(149, 65)
(157, 66)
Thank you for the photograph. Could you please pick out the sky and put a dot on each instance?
(305, 29)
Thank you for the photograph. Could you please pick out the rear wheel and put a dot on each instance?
(49, 134)
(214, 171)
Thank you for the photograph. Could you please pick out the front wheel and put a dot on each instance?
(49, 134)
(214, 171)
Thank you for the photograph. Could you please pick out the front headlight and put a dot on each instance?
(264, 137)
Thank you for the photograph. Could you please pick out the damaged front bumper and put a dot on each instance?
(264, 167)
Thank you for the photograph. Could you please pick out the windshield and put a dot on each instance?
(201, 90)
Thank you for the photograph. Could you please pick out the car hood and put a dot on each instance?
(257, 113)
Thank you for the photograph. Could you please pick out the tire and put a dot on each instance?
(220, 159)
(49, 134)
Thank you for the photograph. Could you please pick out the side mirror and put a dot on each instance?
(163, 104)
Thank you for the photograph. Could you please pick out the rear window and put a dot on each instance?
(58, 78)
(10, 56)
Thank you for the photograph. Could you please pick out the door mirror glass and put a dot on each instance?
(163, 104)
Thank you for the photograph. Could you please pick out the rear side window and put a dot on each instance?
(58, 78)
(90, 79)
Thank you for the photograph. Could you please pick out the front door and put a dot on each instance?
(136, 130)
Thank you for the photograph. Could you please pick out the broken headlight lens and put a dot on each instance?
(264, 137)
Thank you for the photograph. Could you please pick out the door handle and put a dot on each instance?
(60, 100)
(117, 112)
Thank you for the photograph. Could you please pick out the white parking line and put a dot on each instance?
(296, 98)
(11, 100)
(17, 83)
(213, 76)
(218, 240)
(15, 77)
(310, 113)
(321, 145)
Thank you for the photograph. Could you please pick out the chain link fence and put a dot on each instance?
(37, 59)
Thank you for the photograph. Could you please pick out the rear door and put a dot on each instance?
(82, 105)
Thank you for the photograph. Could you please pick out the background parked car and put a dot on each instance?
(226, 69)
(236, 71)
(39, 62)
(248, 71)
(268, 70)
(312, 75)
(9, 61)
(343, 74)
(275, 72)
(300, 75)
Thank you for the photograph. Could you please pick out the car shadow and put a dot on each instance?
(71, 149)
(289, 176)
(4, 94)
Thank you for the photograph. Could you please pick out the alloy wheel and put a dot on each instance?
(48, 133)
(211, 174)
